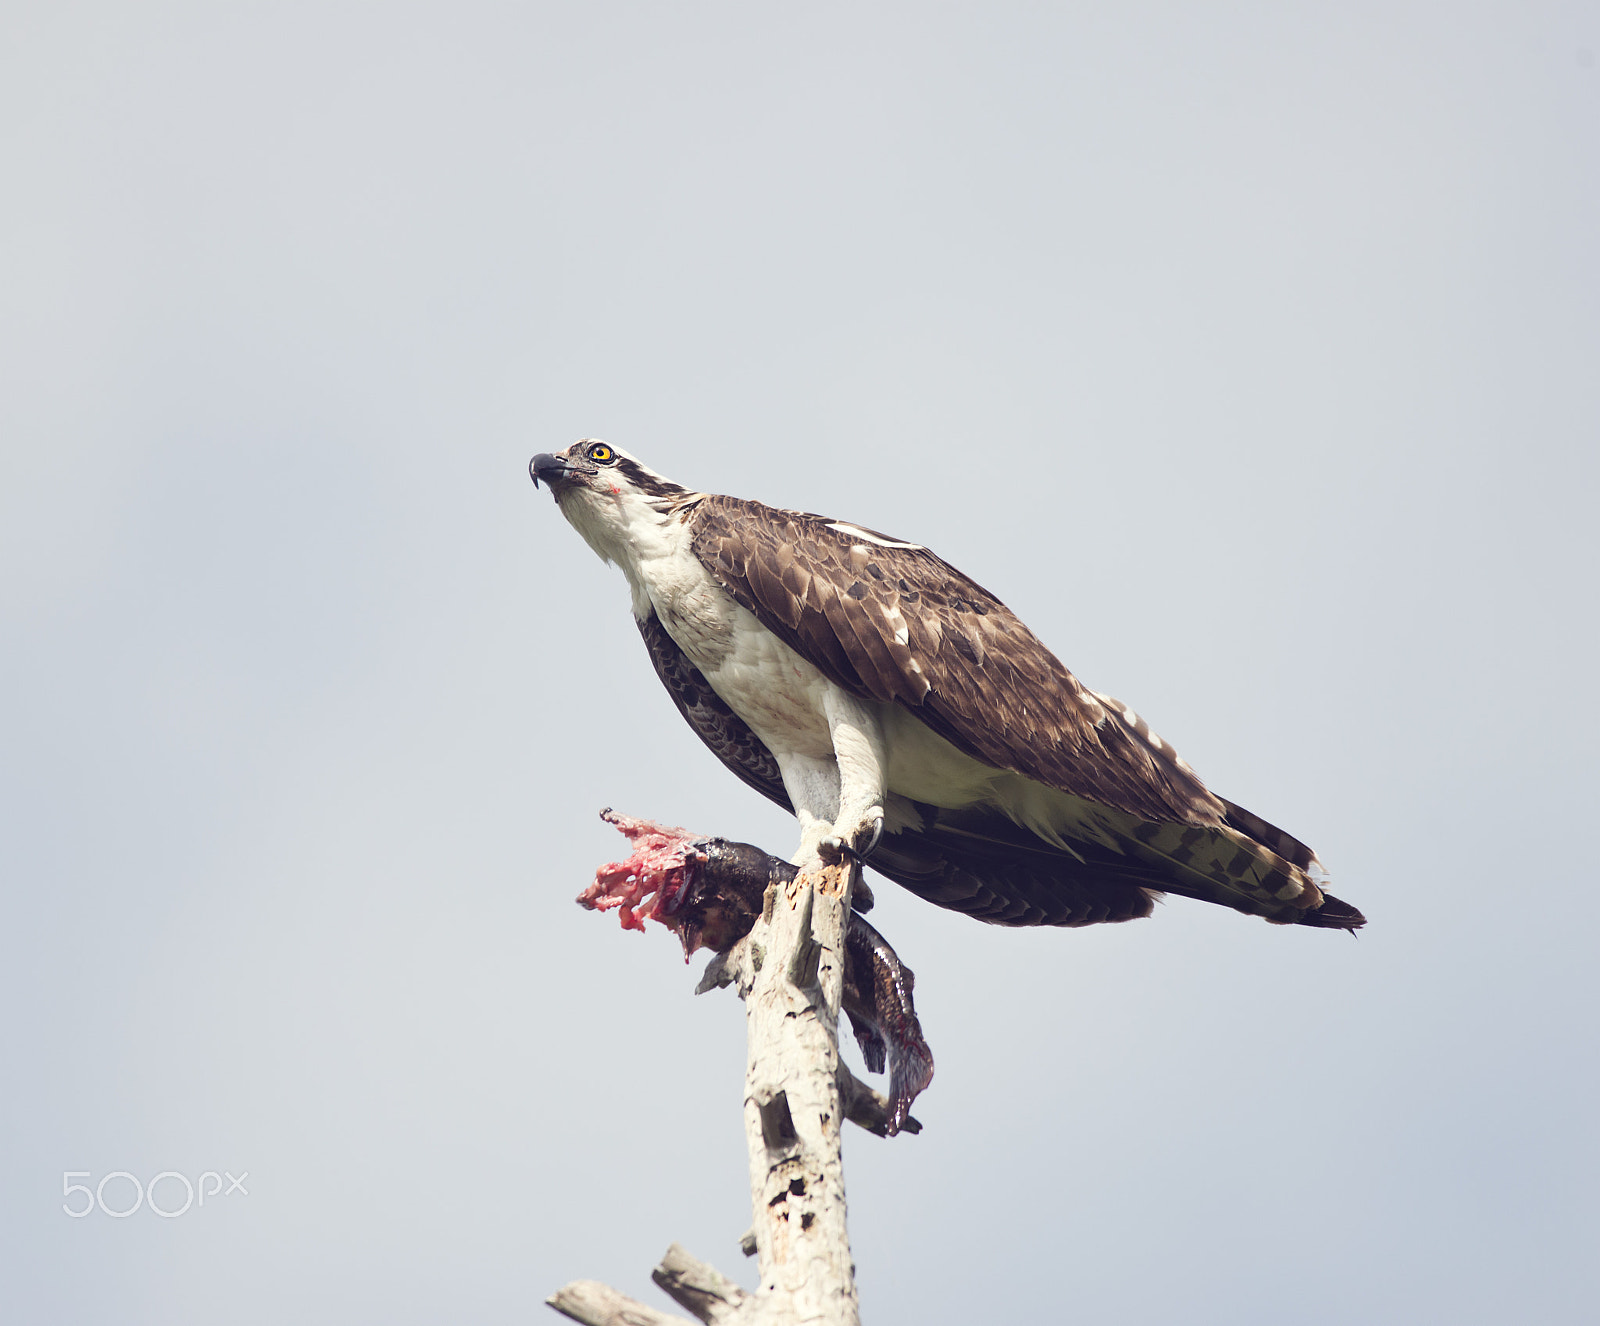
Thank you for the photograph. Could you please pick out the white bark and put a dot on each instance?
(595, 1304)
(790, 973)
(791, 970)
(702, 1289)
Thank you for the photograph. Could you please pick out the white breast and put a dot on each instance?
(766, 683)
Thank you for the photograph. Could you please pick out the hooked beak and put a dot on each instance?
(551, 469)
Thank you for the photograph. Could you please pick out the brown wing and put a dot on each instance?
(978, 862)
(974, 862)
(895, 623)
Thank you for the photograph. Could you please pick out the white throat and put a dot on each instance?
(631, 530)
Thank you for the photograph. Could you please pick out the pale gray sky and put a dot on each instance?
(1249, 351)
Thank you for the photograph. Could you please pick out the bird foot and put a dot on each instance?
(857, 845)
(833, 851)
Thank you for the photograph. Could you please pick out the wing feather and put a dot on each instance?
(978, 862)
(889, 621)
(966, 666)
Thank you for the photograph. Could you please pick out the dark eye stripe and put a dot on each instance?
(649, 484)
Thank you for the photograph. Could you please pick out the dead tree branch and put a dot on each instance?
(703, 1289)
(596, 1304)
(792, 980)
(789, 941)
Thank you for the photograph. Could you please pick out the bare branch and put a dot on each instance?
(785, 937)
(793, 1112)
(596, 1304)
(703, 1289)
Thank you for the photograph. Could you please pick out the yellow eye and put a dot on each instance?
(600, 452)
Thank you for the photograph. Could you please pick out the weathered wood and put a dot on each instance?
(596, 1304)
(791, 976)
(703, 1289)
(790, 971)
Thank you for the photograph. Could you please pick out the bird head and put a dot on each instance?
(608, 496)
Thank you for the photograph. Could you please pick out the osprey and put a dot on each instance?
(904, 714)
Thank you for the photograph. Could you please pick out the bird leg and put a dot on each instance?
(859, 753)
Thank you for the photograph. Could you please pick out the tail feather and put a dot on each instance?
(979, 862)
(1270, 836)
(1334, 914)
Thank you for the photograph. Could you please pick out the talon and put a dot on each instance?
(832, 849)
